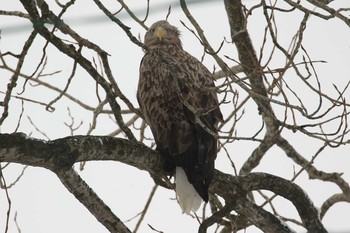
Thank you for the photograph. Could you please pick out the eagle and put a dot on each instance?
(177, 96)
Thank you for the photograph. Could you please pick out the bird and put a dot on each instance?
(178, 98)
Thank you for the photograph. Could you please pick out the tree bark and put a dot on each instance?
(60, 155)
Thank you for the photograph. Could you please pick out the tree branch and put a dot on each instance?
(77, 186)
(59, 155)
(15, 76)
(69, 50)
(287, 189)
(249, 60)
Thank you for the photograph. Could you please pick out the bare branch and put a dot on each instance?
(61, 154)
(77, 186)
(15, 75)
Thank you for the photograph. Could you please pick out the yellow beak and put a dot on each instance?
(160, 33)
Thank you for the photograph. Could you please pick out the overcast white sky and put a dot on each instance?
(44, 205)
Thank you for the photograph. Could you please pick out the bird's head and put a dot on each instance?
(162, 33)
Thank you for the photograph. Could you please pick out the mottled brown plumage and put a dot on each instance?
(169, 77)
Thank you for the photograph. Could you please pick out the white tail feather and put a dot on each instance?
(188, 198)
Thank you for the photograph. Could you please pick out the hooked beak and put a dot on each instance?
(160, 33)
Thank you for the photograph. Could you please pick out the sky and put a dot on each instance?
(42, 203)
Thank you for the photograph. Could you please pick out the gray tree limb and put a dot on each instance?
(60, 155)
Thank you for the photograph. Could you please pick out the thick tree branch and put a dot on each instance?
(253, 70)
(249, 60)
(308, 213)
(59, 156)
(63, 153)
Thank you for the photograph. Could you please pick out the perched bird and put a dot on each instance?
(177, 96)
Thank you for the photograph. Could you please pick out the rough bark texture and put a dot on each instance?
(59, 155)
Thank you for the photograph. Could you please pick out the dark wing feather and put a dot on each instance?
(184, 142)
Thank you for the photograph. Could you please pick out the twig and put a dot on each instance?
(144, 211)
(15, 75)
(4, 186)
